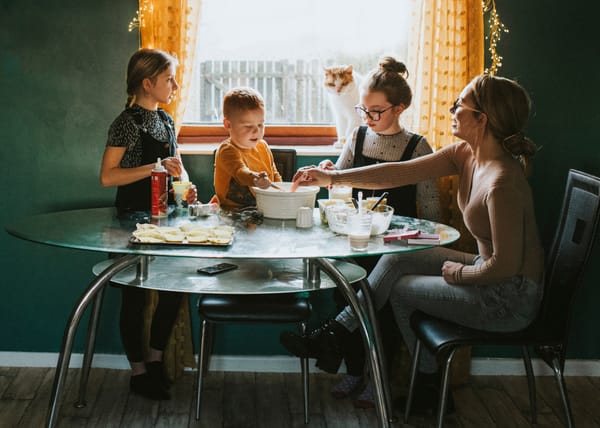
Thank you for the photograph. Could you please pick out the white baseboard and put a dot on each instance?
(288, 364)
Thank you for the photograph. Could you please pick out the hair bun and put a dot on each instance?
(391, 65)
(519, 145)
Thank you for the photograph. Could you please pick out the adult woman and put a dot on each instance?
(137, 137)
(500, 288)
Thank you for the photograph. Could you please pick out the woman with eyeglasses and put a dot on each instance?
(384, 96)
(498, 289)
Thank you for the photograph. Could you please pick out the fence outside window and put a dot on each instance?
(293, 90)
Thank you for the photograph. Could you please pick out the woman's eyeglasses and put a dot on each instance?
(457, 103)
(374, 115)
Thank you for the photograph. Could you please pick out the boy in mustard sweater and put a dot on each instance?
(243, 160)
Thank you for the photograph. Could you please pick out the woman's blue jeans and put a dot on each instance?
(413, 281)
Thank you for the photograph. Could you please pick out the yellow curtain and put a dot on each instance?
(171, 25)
(446, 51)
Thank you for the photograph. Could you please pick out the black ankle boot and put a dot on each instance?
(325, 344)
(145, 386)
(156, 371)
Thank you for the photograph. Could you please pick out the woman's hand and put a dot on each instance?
(326, 164)
(173, 166)
(312, 176)
(450, 270)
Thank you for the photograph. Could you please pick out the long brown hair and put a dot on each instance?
(145, 64)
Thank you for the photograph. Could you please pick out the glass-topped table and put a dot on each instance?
(298, 257)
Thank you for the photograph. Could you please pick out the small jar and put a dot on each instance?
(304, 217)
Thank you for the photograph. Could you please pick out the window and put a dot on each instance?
(280, 47)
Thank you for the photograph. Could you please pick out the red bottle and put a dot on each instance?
(159, 190)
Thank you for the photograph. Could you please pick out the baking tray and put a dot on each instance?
(136, 241)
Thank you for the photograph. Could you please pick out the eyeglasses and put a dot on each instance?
(456, 104)
(374, 115)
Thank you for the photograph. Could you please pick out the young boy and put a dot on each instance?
(244, 159)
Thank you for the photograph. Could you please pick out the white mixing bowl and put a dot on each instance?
(284, 204)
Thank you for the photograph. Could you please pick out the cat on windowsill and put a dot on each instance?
(341, 83)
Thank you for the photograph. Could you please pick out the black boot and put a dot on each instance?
(156, 371)
(325, 344)
(426, 396)
(145, 386)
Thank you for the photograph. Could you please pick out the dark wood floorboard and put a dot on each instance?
(274, 400)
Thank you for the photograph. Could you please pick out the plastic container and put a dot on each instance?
(159, 190)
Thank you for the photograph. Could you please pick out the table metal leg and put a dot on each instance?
(368, 324)
(90, 346)
(69, 335)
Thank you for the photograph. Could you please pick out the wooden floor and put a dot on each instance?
(273, 400)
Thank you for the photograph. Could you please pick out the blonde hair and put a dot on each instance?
(507, 107)
(241, 99)
(390, 78)
(145, 64)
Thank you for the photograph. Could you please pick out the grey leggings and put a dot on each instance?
(413, 281)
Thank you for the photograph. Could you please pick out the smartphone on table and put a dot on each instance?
(215, 269)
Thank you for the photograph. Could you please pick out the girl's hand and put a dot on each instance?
(173, 166)
(261, 180)
(450, 270)
(312, 176)
(191, 194)
(326, 164)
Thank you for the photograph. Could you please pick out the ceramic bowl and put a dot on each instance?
(284, 204)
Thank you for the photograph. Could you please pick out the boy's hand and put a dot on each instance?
(261, 180)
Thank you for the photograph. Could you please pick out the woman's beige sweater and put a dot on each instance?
(495, 201)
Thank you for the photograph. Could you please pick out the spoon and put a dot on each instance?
(381, 198)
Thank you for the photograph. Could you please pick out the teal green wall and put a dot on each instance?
(62, 70)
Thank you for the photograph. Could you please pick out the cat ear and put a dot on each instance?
(349, 68)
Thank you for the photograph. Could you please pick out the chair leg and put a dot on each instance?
(530, 383)
(444, 389)
(304, 370)
(413, 375)
(202, 363)
(562, 387)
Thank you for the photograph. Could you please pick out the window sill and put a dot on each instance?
(304, 150)
(307, 140)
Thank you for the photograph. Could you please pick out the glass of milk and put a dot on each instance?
(359, 230)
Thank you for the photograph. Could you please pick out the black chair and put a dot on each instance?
(285, 161)
(262, 308)
(548, 334)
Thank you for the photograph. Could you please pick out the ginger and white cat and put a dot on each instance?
(342, 84)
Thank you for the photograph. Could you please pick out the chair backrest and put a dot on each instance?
(285, 162)
(568, 255)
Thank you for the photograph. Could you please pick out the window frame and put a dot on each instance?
(275, 135)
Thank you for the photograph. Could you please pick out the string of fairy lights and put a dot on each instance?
(496, 28)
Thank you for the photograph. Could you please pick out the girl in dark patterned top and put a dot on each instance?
(138, 136)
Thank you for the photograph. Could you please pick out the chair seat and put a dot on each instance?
(439, 335)
(271, 308)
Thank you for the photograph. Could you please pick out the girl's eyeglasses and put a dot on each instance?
(374, 115)
(456, 104)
